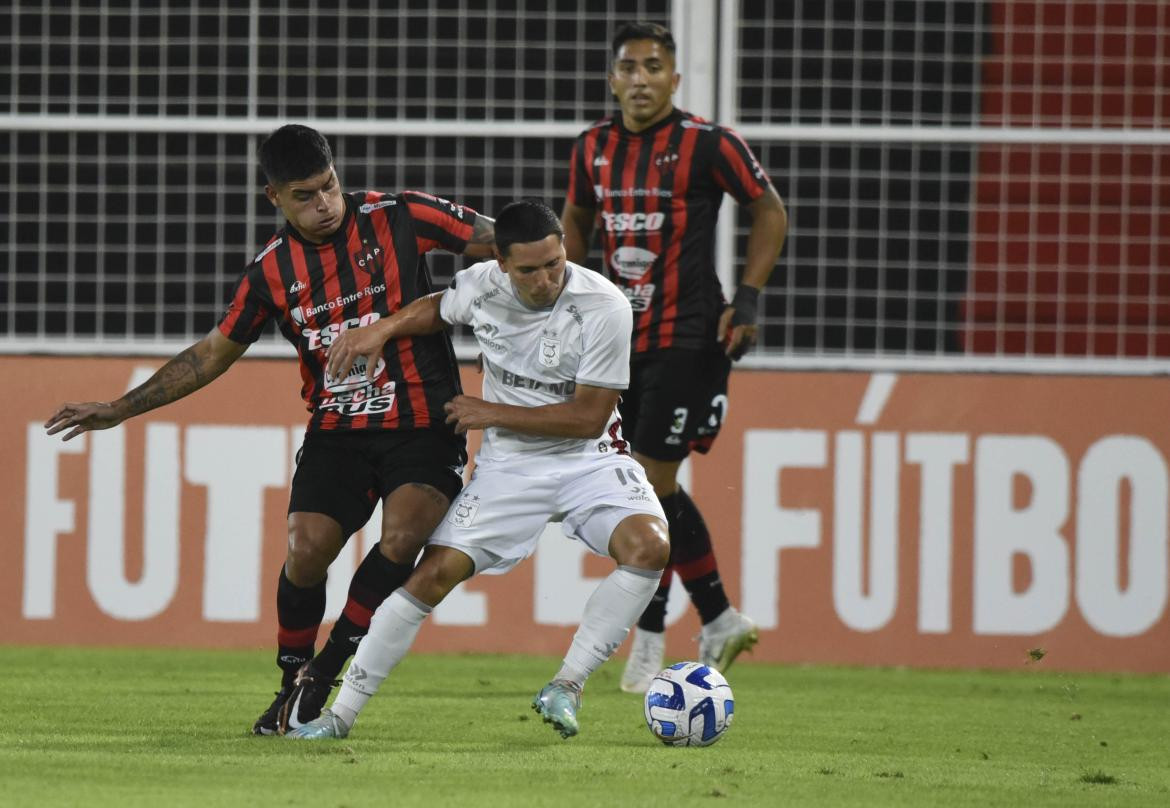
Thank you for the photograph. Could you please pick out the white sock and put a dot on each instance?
(393, 628)
(613, 607)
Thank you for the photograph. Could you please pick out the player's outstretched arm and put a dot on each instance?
(578, 224)
(737, 325)
(418, 317)
(583, 417)
(181, 376)
(483, 237)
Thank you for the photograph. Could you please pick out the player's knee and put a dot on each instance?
(642, 542)
(434, 578)
(310, 552)
(401, 545)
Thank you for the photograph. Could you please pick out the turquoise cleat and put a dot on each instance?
(326, 725)
(558, 702)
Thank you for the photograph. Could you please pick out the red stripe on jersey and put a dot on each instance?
(410, 374)
(670, 278)
(582, 160)
(654, 238)
(582, 171)
(381, 221)
(329, 420)
(231, 319)
(743, 172)
(443, 221)
(330, 268)
(302, 298)
(275, 282)
(418, 398)
(602, 179)
(653, 180)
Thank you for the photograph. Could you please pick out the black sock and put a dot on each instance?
(693, 558)
(298, 611)
(376, 577)
(654, 618)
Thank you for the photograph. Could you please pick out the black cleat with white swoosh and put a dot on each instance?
(305, 700)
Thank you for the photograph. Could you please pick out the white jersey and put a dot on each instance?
(534, 357)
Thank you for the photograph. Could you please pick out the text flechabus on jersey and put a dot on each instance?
(639, 295)
(369, 406)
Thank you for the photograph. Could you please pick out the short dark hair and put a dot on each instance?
(643, 30)
(294, 152)
(525, 221)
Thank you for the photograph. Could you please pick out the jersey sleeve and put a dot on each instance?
(439, 224)
(455, 307)
(736, 169)
(249, 311)
(580, 191)
(605, 355)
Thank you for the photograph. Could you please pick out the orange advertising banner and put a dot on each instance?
(923, 519)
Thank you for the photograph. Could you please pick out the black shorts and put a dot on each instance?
(676, 402)
(345, 474)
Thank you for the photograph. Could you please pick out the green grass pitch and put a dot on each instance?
(123, 727)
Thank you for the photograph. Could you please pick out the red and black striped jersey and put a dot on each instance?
(659, 192)
(373, 266)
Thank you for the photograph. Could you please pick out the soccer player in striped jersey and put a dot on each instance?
(657, 175)
(342, 261)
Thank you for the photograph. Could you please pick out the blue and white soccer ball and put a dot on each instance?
(689, 704)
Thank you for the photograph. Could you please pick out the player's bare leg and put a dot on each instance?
(640, 546)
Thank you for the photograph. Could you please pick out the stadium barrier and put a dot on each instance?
(941, 520)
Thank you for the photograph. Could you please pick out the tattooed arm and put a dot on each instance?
(182, 375)
(483, 237)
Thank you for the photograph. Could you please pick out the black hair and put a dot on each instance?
(294, 152)
(525, 221)
(643, 30)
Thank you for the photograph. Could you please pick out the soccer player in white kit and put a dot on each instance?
(556, 356)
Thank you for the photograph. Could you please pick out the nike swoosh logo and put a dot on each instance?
(295, 710)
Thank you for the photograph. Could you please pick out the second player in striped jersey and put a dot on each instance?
(654, 176)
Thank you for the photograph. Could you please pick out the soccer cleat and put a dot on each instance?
(326, 725)
(725, 638)
(644, 661)
(306, 697)
(558, 702)
(269, 722)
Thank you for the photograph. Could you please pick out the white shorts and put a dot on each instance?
(498, 518)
